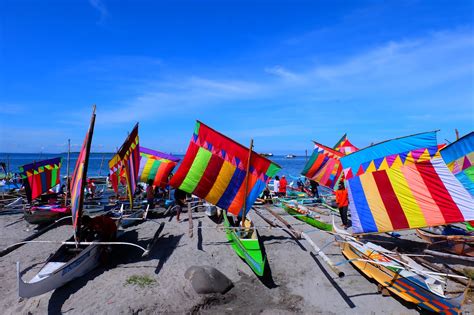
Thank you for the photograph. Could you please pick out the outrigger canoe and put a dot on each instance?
(65, 265)
(306, 215)
(248, 248)
(45, 214)
(406, 280)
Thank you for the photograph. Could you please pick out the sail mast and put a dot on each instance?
(84, 174)
(247, 181)
(67, 170)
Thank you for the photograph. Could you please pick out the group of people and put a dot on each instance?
(279, 186)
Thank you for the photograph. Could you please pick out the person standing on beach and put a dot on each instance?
(150, 194)
(283, 184)
(342, 201)
(180, 199)
(276, 185)
(314, 188)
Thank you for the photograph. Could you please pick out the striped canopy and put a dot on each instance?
(459, 157)
(403, 184)
(39, 177)
(214, 168)
(323, 166)
(156, 166)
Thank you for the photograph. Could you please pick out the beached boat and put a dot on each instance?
(402, 184)
(69, 262)
(401, 276)
(303, 214)
(231, 177)
(246, 243)
(457, 244)
(45, 213)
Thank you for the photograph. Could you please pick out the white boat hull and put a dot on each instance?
(56, 274)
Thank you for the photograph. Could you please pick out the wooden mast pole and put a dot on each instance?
(67, 170)
(247, 182)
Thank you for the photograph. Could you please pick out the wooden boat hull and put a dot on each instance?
(306, 218)
(55, 274)
(456, 244)
(42, 216)
(249, 249)
(401, 286)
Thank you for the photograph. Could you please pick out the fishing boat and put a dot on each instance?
(457, 244)
(402, 184)
(246, 243)
(304, 214)
(230, 176)
(401, 276)
(45, 213)
(290, 156)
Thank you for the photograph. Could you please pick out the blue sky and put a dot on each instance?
(281, 72)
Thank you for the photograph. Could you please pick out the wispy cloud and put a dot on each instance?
(99, 5)
(282, 73)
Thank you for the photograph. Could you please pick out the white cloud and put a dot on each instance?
(101, 8)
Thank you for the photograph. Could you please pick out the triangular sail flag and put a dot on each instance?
(347, 147)
(39, 177)
(338, 143)
(156, 166)
(214, 168)
(128, 160)
(115, 168)
(78, 179)
(416, 190)
(459, 157)
(323, 166)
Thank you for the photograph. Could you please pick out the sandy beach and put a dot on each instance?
(301, 283)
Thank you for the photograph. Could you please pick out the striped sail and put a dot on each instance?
(403, 184)
(78, 179)
(127, 162)
(214, 168)
(459, 157)
(39, 177)
(156, 166)
(323, 166)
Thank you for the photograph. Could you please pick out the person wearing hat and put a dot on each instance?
(283, 184)
(342, 201)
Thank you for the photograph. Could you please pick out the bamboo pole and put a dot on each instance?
(247, 181)
(296, 234)
(67, 170)
(190, 220)
(321, 254)
(435, 253)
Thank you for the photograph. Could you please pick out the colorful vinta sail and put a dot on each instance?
(79, 176)
(127, 162)
(403, 184)
(323, 166)
(214, 168)
(459, 157)
(115, 170)
(156, 166)
(39, 177)
(345, 146)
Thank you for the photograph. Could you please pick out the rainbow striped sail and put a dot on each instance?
(323, 166)
(459, 157)
(214, 168)
(127, 160)
(156, 166)
(403, 184)
(78, 179)
(39, 177)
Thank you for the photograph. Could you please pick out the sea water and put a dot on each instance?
(99, 163)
